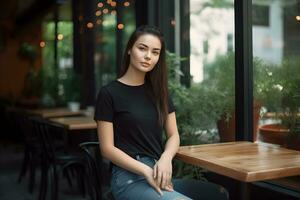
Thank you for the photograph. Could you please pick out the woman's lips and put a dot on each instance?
(145, 64)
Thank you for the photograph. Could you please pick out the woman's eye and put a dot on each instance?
(142, 48)
(156, 53)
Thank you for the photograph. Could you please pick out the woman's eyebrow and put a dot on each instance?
(158, 49)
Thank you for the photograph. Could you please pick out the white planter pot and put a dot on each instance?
(74, 106)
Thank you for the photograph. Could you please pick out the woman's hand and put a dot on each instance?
(162, 173)
(148, 173)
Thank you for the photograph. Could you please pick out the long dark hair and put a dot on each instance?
(156, 79)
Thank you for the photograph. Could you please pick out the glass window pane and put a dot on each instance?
(276, 49)
(55, 91)
(212, 93)
(106, 33)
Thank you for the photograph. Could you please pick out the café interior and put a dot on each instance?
(233, 75)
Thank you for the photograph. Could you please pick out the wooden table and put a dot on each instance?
(77, 129)
(76, 123)
(54, 112)
(243, 161)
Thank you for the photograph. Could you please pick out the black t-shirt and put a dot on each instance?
(134, 117)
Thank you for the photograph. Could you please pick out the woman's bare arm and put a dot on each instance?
(120, 158)
(163, 168)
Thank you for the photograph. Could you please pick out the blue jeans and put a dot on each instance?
(126, 185)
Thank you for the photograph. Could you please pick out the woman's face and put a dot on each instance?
(145, 52)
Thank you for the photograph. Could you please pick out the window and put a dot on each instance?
(212, 69)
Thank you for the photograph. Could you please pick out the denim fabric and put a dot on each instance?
(126, 185)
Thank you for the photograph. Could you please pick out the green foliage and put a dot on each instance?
(28, 51)
(265, 88)
(194, 119)
(192, 104)
(65, 46)
(288, 76)
(221, 80)
(72, 86)
(53, 76)
(32, 86)
(49, 86)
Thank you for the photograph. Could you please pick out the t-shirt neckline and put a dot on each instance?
(131, 86)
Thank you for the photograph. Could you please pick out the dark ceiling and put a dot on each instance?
(12, 8)
(26, 11)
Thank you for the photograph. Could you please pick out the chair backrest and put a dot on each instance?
(43, 130)
(93, 168)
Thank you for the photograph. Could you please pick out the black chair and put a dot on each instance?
(97, 171)
(32, 151)
(56, 158)
(32, 148)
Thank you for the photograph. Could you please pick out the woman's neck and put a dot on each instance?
(133, 77)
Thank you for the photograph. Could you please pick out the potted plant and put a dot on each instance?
(287, 132)
(221, 78)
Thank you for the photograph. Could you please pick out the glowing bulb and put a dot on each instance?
(105, 11)
(173, 22)
(126, 3)
(90, 25)
(120, 26)
(113, 4)
(98, 21)
(42, 44)
(98, 13)
(113, 12)
(100, 5)
(60, 36)
(298, 18)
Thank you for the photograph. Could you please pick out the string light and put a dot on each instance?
(42, 44)
(113, 12)
(105, 11)
(108, 7)
(113, 4)
(98, 13)
(120, 26)
(100, 5)
(90, 25)
(60, 36)
(298, 18)
(98, 21)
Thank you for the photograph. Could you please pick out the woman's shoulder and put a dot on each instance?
(110, 88)
(110, 85)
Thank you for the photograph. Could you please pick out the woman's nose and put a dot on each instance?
(148, 55)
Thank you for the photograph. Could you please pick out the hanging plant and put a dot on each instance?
(28, 52)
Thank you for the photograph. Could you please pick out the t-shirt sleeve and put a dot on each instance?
(104, 106)
(171, 106)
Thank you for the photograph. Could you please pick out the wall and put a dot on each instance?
(13, 68)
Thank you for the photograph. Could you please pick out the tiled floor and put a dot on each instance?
(10, 163)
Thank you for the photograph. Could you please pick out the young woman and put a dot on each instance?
(131, 113)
